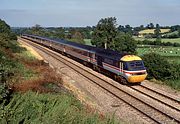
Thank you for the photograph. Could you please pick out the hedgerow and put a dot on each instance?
(159, 68)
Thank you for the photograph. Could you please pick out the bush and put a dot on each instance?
(159, 68)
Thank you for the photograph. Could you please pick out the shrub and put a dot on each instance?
(158, 67)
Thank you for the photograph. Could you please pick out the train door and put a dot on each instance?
(92, 57)
(121, 66)
(99, 61)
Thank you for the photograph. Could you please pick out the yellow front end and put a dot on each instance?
(136, 78)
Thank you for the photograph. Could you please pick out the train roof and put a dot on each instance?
(110, 53)
(82, 46)
(99, 51)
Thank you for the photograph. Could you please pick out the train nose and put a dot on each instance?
(137, 78)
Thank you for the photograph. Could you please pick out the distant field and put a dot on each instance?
(171, 33)
(171, 53)
(151, 31)
(175, 40)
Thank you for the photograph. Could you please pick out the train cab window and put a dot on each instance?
(135, 65)
(125, 66)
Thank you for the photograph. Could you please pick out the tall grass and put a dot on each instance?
(175, 84)
(48, 108)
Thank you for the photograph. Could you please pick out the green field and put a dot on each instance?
(171, 53)
(175, 40)
(87, 41)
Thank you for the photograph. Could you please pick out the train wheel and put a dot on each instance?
(85, 63)
(116, 78)
(94, 67)
(123, 80)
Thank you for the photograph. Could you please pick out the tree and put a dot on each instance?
(151, 26)
(77, 37)
(179, 32)
(128, 29)
(59, 33)
(121, 28)
(105, 32)
(106, 35)
(124, 42)
(4, 28)
(157, 31)
(5, 32)
(36, 30)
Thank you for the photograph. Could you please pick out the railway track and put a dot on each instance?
(155, 113)
(158, 95)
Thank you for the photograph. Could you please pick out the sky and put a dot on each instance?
(77, 13)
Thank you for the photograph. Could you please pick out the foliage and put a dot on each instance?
(76, 36)
(159, 68)
(127, 29)
(179, 31)
(157, 31)
(4, 93)
(124, 42)
(72, 34)
(105, 32)
(5, 32)
(38, 108)
(106, 35)
(173, 83)
(175, 28)
(4, 28)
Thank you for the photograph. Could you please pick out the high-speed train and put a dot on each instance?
(122, 66)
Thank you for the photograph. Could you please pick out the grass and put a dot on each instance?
(32, 107)
(164, 51)
(175, 84)
(26, 55)
(175, 40)
(88, 42)
(171, 33)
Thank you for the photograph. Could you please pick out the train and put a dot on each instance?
(121, 66)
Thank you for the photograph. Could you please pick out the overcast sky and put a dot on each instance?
(66, 13)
